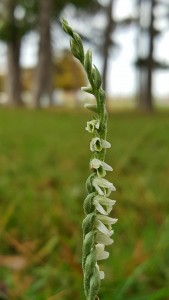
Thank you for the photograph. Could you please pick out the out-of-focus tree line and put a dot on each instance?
(20, 17)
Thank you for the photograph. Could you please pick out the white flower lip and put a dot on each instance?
(98, 144)
(103, 239)
(105, 144)
(92, 107)
(101, 273)
(102, 228)
(106, 166)
(107, 203)
(103, 186)
(100, 252)
(104, 200)
(100, 209)
(103, 183)
(107, 220)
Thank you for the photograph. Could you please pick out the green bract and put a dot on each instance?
(97, 225)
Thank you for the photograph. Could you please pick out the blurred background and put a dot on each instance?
(43, 167)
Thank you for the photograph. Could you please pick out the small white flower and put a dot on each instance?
(95, 144)
(100, 209)
(103, 228)
(98, 144)
(105, 201)
(100, 166)
(101, 273)
(103, 239)
(106, 220)
(100, 201)
(103, 186)
(100, 252)
(92, 125)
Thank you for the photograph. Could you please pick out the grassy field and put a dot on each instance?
(44, 159)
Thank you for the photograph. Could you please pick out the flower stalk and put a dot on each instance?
(97, 225)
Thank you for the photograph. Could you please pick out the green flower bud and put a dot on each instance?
(94, 284)
(89, 184)
(90, 261)
(78, 42)
(88, 90)
(87, 205)
(88, 244)
(96, 78)
(88, 63)
(88, 223)
(74, 49)
(67, 28)
(89, 266)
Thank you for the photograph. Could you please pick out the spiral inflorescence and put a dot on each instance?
(97, 225)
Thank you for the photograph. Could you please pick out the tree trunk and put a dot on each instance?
(13, 83)
(142, 80)
(107, 41)
(149, 88)
(43, 81)
(141, 71)
(145, 97)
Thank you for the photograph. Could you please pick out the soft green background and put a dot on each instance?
(44, 158)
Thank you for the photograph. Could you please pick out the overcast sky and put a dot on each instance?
(122, 75)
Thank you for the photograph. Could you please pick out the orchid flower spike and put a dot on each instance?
(97, 225)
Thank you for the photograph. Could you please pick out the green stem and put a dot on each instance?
(103, 121)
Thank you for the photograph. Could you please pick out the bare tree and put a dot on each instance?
(43, 81)
(13, 83)
(13, 27)
(150, 60)
(107, 42)
(146, 62)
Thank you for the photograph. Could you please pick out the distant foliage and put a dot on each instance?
(68, 74)
(27, 76)
(17, 18)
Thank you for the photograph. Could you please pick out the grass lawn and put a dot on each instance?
(44, 159)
